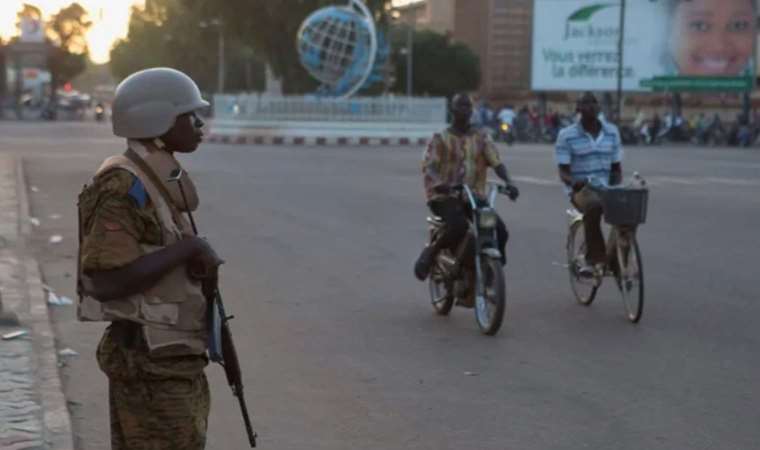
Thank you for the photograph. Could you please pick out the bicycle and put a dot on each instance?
(625, 208)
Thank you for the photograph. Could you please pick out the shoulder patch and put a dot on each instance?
(138, 194)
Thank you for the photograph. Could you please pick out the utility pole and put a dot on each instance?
(410, 27)
(621, 66)
(410, 53)
(222, 69)
(221, 63)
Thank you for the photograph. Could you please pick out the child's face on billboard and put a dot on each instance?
(713, 37)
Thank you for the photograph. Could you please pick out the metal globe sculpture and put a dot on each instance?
(338, 46)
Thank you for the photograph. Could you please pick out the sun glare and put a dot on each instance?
(110, 20)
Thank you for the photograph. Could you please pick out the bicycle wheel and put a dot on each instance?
(489, 309)
(440, 294)
(630, 279)
(584, 289)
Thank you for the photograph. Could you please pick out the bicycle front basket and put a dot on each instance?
(625, 206)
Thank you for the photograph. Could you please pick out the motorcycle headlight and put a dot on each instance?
(505, 127)
(488, 218)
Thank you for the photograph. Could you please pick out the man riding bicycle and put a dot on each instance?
(590, 150)
(459, 155)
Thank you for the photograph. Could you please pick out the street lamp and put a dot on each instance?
(221, 62)
(409, 50)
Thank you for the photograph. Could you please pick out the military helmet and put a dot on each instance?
(148, 102)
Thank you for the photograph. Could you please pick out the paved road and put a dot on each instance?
(342, 350)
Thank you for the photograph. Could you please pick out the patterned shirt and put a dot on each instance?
(116, 217)
(586, 156)
(452, 159)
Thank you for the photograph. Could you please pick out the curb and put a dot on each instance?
(56, 420)
(316, 141)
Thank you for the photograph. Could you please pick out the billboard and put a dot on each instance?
(669, 45)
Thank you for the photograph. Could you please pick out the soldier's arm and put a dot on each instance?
(145, 272)
(117, 220)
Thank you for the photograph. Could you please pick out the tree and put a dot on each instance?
(174, 33)
(441, 67)
(68, 53)
(66, 34)
(68, 29)
(271, 29)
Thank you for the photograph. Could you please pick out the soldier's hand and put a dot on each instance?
(205, 264)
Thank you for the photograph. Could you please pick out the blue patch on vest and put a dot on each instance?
(138, 194)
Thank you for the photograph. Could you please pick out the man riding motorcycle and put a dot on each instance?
(459, 155)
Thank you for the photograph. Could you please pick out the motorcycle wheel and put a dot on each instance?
(440, 293)
(489, 309)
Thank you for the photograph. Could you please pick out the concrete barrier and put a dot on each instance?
(262, 120)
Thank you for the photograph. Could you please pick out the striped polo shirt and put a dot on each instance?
(589, 157)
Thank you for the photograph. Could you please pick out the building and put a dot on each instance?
(436, 15)
(500, 33)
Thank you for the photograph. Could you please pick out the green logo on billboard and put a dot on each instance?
(580, 26)
(587, 12)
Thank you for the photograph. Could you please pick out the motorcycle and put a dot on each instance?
(629, 135)
(505, 133)
(472, 274)
(713, 135)
(100, 113)
(676, 133)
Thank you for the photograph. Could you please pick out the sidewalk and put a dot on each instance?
(33, 411)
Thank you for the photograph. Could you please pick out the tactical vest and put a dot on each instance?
(173, 312)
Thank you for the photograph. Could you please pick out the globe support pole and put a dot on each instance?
(359, 5)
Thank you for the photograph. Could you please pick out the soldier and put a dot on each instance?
(142, 269)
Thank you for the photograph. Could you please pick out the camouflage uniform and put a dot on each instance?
(156, 403)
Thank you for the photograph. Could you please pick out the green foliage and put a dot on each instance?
(69, 54)
(68, 28)
(441, 67)
(66, 35)
(178, 34)
(94, 76)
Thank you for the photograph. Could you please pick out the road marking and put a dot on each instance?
(659, 181)
(673, 180)
(535, 180)
(696, 181)
(733, 181)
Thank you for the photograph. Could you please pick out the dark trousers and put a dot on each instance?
(455, 214)
(588, 203)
